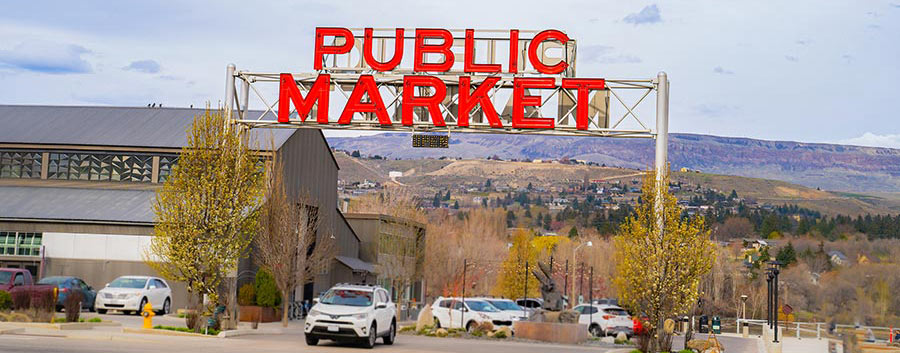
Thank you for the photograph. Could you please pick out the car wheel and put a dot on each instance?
(470, 326)
(389, 339)
(596, 331)
(437, 323)
(311, 341)
(166, 307)
(141, 306)
(101, 311)
(370, 341)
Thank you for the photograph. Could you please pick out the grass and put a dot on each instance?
(212, 332)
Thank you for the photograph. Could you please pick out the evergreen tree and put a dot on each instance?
(447, 196)
(530, 187)
(787, 255)
(455, 204)
(436, 202)
(484, 202)
(547, 221)
(355, 154)
(527, 212)
(573, 233)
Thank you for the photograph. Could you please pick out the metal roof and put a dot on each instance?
(356, 264)
(76, 204)
(108, 126)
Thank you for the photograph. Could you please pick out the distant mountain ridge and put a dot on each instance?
(826, 166)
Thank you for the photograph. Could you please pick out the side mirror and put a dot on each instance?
(381, 306)
(315, 300)
(465, 310)
(107, 285)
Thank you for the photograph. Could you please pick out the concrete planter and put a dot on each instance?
(253, 313)
(551, 332)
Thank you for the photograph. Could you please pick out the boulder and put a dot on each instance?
(621, 337)
(568, 317)
(608, 339)
(507, 332)
(441, 332)
(426, 318)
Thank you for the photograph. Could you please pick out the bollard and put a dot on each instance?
(746, 331)
(148, 314)
(818, 331)
(798, 330)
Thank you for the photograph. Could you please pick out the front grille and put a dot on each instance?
(501, 323)
(348, 332)
(115, 305)
(334, 322)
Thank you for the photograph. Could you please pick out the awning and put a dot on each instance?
(355, 264)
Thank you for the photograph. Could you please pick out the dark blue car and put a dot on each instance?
(68, 285)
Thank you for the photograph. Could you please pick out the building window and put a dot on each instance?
(20, 243)
(20, 164)
(165, 166)
(100, 167)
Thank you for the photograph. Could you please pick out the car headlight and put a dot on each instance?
(314, 312)
(130, 295)
(360, 316)
(107, 295)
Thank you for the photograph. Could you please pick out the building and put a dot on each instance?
(397, 247)
(77, 185)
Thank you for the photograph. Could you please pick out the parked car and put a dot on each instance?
(508, 306)
(18, 281)
(453, 313)
(530, 304)
(349, 312)
(604, 319)
(68, 285)
(129, 294)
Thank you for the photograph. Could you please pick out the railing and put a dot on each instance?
(296, 311)
(819, 330)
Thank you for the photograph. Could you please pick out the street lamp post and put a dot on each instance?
(574, 251)
(775, 271)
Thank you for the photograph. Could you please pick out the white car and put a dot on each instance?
(604, 319)
(508, 306)
(352, 313)
(130, 293)
(453, 313)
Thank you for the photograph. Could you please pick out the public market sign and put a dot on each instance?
(430, 79)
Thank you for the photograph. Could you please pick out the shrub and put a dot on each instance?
(408, 328)
(266, 291)
(485, 327)
(6, 302)
(500, 334)
(72, 304)
(95, 319)
(247, 295)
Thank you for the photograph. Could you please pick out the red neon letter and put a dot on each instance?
(533, 54)
(432, 103)
(583, 87)
(480, 96)
(520, 100)
(513, 51)
(370, 59)
(289, 92)
(365, 85)
(322, 49)
(419, 64)
(469, 64)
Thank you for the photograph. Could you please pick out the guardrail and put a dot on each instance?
(819, 330)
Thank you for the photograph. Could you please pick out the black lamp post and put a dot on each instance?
(769, 277)
(775, 265)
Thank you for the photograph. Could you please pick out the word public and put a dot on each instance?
(440, 41)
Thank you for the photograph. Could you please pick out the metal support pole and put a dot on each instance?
(229, 91)
(591, 295)
(662, 141)
(581, 282)
(462, 321)
(244, 98)
(775, 301)
(769, 300)
(566, 285)
(525, 294)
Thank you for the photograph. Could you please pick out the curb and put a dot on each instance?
(248, 332)
(9, 331)
(62, 325)
(164, 332)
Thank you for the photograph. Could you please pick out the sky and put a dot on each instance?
(810, 71)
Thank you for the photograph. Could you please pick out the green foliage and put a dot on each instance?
(211, 331)
(573, 233)
(247, 294)
(787, 255)
(500, 334)
(266, 290)
(5, 300)
(95, 319)
(408, 328)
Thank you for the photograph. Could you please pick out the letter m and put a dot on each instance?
(289, 92)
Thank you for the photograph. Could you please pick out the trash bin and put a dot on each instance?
(704, 324)
(716, 325)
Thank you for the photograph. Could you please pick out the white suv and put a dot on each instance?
(604, 319)
(349, 312)
(452, 313)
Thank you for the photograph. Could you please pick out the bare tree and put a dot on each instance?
(292, 241)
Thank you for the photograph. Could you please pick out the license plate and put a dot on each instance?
(333, 328)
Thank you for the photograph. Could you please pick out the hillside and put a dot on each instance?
(824, 166)
(427, 176)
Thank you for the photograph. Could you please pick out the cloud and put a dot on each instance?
(791, 58)
(896, 5)
(721, 71)
(715, 110)
(46, 57)
(874, 140)
(847, 58)
(649, 14)
(605, 54)
(145, 66)
(804, 42)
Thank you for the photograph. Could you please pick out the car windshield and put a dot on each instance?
(5, 277)
(53, 280)
(616, 311)
(123, 282)
(478, 305)
(347, 297)
(505, 305)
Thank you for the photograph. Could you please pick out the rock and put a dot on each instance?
(490, 334)
(507, 332)
(568, 317)
(621, 337)
(608, 339)
(426, 318)
(441, 332)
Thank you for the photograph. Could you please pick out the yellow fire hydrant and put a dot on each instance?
(148, 315)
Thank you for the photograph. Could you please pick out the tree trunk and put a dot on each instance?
(284, 308)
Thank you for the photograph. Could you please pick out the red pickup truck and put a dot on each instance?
(17, 281)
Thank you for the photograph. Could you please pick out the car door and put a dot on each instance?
(87, 292)
(456, 314)
(153, 293)
(442, 312)
(382, 315)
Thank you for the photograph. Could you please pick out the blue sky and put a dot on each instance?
(803, 70)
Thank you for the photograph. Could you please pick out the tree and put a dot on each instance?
(447, 196)
(355, 154)
(206, 211)
(455, 204)
(511, 281)
(530, 187)
(787, 255)
(659, 270)
(484, 202)
(436, 201)
(487, 184)
(292, 242)
(547, 221)
(573, 232)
